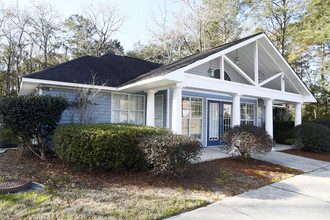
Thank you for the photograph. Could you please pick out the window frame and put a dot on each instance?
(246, 120)
(162, 110)
(128, 110)
(192, 118)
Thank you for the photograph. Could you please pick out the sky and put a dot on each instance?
(137, 13)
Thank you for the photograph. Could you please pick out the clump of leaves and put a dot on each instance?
(248, 139)
(169, 154)
(31, 120)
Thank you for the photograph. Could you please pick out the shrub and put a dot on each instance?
(169, 154)
(283, 130)
(105, 146)
(314, 137)
(32, 119)
(248, 139)
(325, 122)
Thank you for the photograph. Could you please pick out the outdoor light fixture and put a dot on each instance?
(237, 58)
(210, 71)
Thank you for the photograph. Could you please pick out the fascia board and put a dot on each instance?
(66, 84)
(200, 82)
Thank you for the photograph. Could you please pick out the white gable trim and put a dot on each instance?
(270, 79)
(289, 67)
(232, 64)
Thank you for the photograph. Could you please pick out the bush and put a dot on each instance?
(169, 154)
(105, 146)
(325, 122)
(32, 119)
(314, 137)
(248, 139)
(283, 130)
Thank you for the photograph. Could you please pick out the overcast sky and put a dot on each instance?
(137, 13)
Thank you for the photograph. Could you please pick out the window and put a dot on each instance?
(127, 108)
(247, 113)
(261, 118)
(216, 75)
(192, 117)
(159, 111)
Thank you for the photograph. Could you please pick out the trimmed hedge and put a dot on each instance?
(324, 122)
(283, 130)
(169, 154)
(313, 137)
(105, 146)
(248, 139)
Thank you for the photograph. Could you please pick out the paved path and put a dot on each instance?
(305, 196)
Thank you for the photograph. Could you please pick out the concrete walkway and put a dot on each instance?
(305, 196)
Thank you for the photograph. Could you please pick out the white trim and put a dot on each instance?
(194, 81)
(220, 53)
(139, 83)
(207, 92)
(58, 83)
(168, 109)
(271, 57)
(232, 64)
(256, 63)
(128, 106)
(222, 68)
(198, 97)
(283, 83)
(270, 79)
(289, 67)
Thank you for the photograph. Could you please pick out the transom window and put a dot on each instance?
(192, 116)
(127, 108)
(247, 113)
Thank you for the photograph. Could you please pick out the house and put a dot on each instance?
(201, 95)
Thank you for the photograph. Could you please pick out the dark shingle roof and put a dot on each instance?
(109, 69)
(112, 70)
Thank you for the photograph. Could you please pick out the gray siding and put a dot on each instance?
(101, 112)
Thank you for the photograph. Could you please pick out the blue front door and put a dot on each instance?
(219, 120)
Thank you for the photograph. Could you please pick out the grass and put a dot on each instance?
(96, 204)
(72, 194)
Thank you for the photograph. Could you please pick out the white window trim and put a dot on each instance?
(189, 121)
(246, 120)
(162, 109)
(128, 107)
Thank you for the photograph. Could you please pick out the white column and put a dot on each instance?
(177, 110)
(236, 118)
(222, 68)
(269, 116)
(283, 83)
(256, 64)
(151, 107)
(297, 114)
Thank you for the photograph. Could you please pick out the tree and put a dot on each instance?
(83, 108)
(32, 119)
(44, 31)
(276, 18)
(312, 39)
(105, 20)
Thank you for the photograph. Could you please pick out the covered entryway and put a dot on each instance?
(218, 120)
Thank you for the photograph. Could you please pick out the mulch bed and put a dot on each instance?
(229, 176)
(324, 156)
